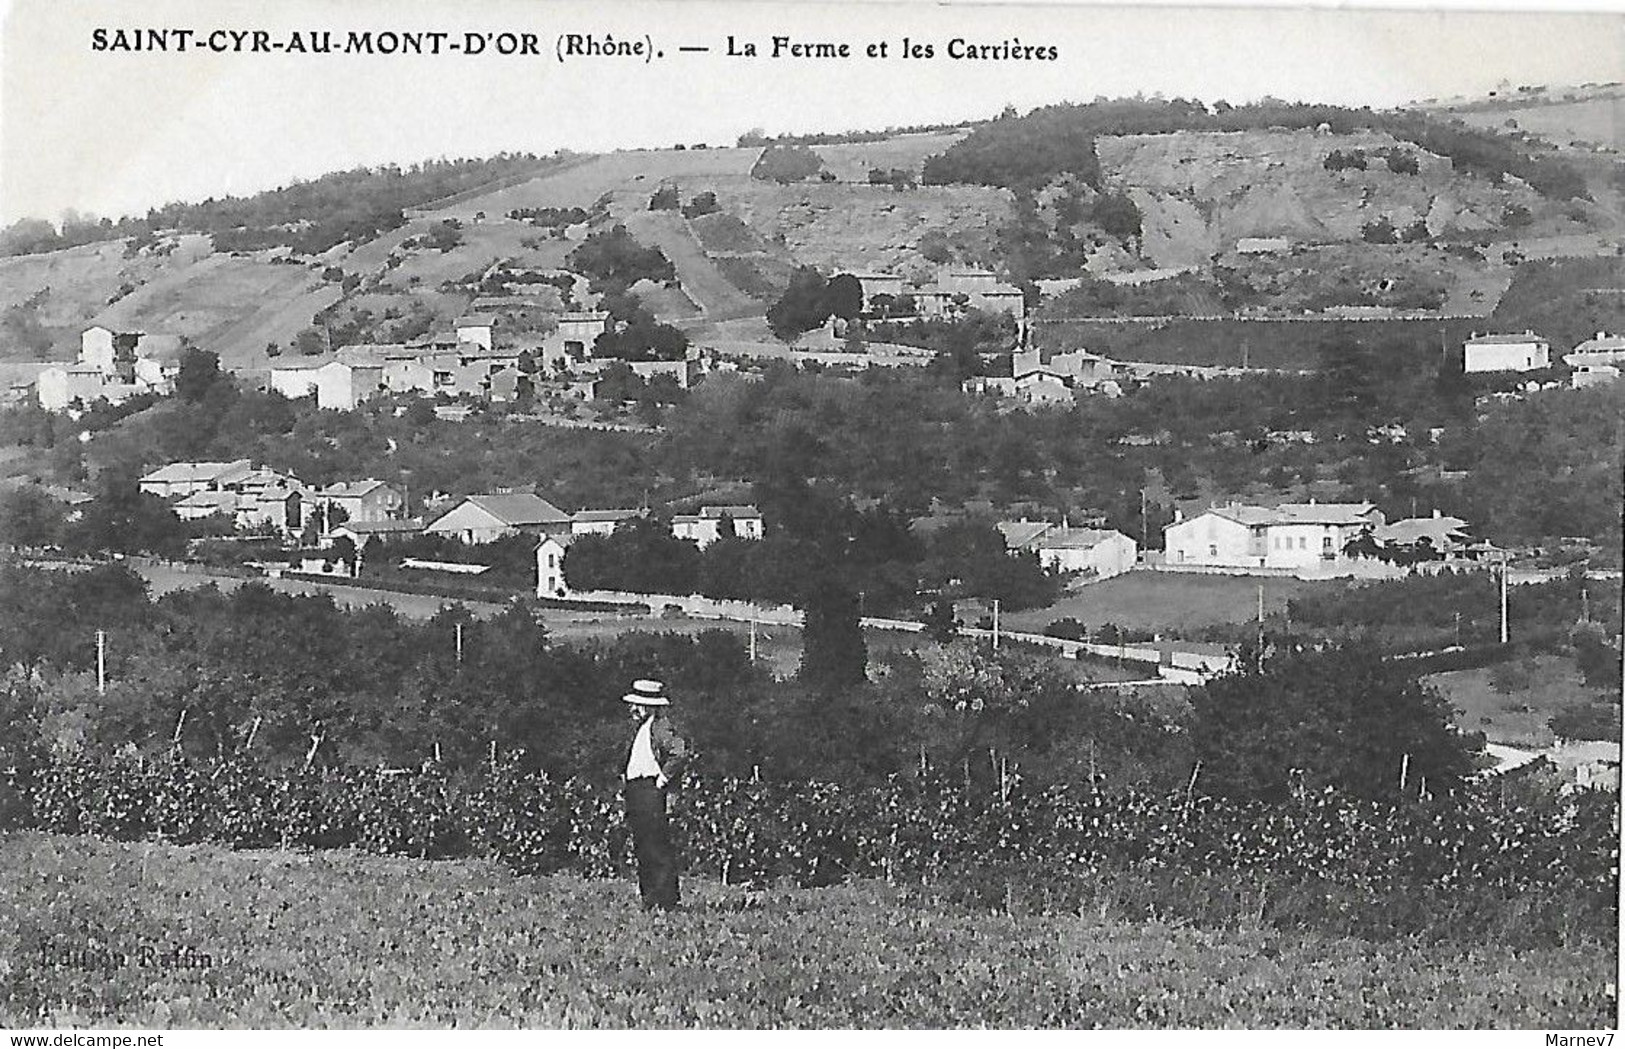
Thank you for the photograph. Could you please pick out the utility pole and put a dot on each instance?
(1503, 600)
(459, 642)
(1260, 628)
(101, 662)
(995, 623)
(1145, 527)
(753, 641)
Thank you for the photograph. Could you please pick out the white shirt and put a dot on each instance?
(642, 761)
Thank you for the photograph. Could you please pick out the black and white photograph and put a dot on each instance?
(793, 516)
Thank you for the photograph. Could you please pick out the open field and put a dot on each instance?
(1600, 121)
(164, 936)
(1166, 602)
(1536, 689)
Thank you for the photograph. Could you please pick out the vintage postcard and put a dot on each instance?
(756, 515)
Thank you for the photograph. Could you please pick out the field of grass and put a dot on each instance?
(1596, 120)
(1291, 345)
(1170, 603)
(1536, 688)
(160, 936)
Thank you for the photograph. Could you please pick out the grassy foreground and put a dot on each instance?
(94, 933)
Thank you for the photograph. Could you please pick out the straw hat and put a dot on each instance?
(646, 693)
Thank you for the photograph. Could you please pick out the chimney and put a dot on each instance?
(1435, 513)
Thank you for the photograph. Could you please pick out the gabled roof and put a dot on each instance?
(1438, 530)
(1293, 513)
(1324, 513)
(519, 508)
(380, 527)
(474, 320)
(1019, 534)
(588, 516)
(734, 512)
(1076, 538)
(349, 489)
(181, 473)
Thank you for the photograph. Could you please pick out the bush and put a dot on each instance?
(786, 163)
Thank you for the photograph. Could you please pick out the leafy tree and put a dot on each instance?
(665, 199)
(1117, 214)
(29, 517)
(833, 654)
(941, 624)
(1341, 717)
(844, 296)
(803, 306)
(199, 371)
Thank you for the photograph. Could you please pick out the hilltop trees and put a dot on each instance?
(614, 261)
(786, 163)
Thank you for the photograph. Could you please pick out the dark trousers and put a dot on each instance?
(651, 841)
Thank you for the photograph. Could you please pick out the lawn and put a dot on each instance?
(1516, 713)
(1173, 604)
(161, 936)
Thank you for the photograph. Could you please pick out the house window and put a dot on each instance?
(1212, 550)
(1326, 543)
(1303, 543)
(551, 562)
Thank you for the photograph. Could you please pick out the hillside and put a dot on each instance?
(1200, 192)
(337, 939)
(1197, 187)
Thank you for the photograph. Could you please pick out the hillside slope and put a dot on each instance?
(329, 939)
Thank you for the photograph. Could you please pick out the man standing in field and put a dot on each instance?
(656, 759)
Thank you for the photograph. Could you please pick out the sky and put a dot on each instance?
(111, 132)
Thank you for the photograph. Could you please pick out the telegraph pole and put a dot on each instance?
(1145, 527)
(459, 642)
(101, 662)
(753, 641)
(995, 623)
(1503, 600)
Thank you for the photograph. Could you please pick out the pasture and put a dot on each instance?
(164, 936)
(1169, 603)
(1512, 702)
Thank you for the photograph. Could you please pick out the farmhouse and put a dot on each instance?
(718, 522)
(366, 501)
(181, 479)
(487, 518)
(1097, 552)
(1596, 361)
(1440, 533)
(571, 343)
(1292, 535)
(112, 367)
(1525, 352)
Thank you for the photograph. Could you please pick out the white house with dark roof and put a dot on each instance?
(1522, 352)
(1441, 532)
(1098, 552)
(487, 518)
(1289, 536)
(718, 522)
